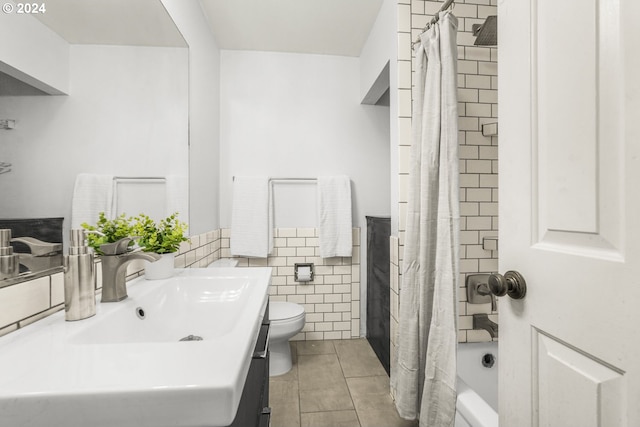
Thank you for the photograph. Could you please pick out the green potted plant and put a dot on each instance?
(108, 231)
(162, 237)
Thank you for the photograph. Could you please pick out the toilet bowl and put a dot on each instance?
(287, 319)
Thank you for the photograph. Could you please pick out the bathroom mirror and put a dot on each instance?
(125, 114)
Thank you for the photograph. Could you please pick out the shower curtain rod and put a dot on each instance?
(435, 19)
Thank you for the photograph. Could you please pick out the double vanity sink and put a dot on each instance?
(176, 352)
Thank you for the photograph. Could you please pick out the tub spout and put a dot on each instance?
(114, 270)
(482, 321)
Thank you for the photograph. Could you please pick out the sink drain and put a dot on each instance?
(191, 338)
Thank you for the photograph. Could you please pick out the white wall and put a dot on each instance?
(382, 48)
(32, 53)
(297, 115)
(126, 114)
(379, 48)
(204, 114)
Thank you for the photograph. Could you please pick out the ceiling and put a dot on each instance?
(112, 22)
(332, 27)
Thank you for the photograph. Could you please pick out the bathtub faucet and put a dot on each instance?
(482, 321)
(114, 268)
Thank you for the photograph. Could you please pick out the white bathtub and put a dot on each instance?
(477, 385)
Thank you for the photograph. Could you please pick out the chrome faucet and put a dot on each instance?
(43, 255)
(482, 321)
(115, 260)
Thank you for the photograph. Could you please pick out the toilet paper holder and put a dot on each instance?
(303, 272)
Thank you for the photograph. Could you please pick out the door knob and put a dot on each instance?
(512, 284)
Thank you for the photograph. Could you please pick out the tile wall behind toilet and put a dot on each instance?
(477, 97)
(331, 300)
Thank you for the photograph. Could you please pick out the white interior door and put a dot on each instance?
(569, 97)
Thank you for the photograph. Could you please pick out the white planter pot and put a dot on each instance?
(160, 269)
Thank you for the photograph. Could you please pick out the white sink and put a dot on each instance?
(117, 369)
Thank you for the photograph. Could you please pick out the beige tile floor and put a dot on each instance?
(337, 383)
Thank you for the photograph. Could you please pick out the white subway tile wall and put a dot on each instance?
(477, 105)
(331, 300)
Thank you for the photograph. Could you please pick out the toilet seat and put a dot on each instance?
(285, 322)
(284, 312)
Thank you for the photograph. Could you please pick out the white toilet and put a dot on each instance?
(287, 319)
(223, 262)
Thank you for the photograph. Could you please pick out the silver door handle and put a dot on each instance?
(512, 284)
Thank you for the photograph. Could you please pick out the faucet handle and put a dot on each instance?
(116, 248)
(485, 289)
(479, 291)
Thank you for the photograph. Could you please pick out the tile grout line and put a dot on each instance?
(321, 413)
(347, 384)
(298, 381)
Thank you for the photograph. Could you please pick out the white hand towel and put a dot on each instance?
(334, 216)
(251, 219)
(92, 194)
(178, 196)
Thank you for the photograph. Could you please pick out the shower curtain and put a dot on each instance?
(424, 378)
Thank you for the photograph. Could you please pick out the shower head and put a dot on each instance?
(487, 33)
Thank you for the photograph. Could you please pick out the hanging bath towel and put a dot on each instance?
(92, 194)
(178, 196)
(251, 219)
(334, 216)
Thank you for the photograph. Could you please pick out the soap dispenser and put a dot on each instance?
(9, 262)
(79, 278)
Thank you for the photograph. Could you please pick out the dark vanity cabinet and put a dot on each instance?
(378, 287)
(254, 404)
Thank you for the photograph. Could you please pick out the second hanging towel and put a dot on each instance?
(334, 216)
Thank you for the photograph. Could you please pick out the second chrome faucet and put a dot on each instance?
(115, 260)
